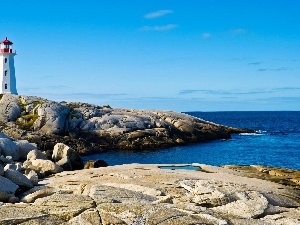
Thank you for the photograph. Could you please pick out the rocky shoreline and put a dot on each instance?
(90, 128)
(148, 194)
(44, 181)
(41, 188)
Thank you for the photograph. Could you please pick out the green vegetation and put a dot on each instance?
(27, 121)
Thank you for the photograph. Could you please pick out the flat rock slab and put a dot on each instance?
(145, 194)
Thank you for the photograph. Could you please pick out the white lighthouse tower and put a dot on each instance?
(7, 68)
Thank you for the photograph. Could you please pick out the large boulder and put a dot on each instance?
(52, 118)
(9, 148)
(66, 157)
(10, 108)
(18, 178)
(44, 166)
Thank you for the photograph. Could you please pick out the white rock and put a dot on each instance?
(45, 166)
(36, 154)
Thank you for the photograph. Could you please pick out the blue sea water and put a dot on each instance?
(276, 143)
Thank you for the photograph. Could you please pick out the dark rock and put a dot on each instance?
(95, 164)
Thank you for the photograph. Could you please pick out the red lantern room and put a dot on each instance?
(6, 46)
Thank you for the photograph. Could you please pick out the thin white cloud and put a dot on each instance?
(206, 35)
(160, 28)
(239, 31)
(158, 13)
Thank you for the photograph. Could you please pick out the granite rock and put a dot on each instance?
(45, 166)
(18, 178)
(66, 157)
(10, 108)
(9, 148)
(90, 128)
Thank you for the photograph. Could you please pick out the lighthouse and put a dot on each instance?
(7, 68)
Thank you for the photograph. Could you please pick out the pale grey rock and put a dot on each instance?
(9, 148)
(36, 154)
(52, 118)
(25, 147)
(226, 198)
(120, 195)
(66, 157)
(44, 166)
(250, 205)
(35, 193)
(7, 186)
(10, 108)
(282, 201)
(66, 206)
(15, 166)
(18, 178)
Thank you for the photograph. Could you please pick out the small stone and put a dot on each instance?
(95, 164)
(13, 199)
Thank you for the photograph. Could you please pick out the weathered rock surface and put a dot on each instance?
(45, 166)
(66, 157)
(145, 194)
(18, 178)
(88, 128)
(10, 108)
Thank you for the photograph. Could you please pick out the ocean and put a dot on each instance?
(275, 143)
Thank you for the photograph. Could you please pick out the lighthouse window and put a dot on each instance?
(5, 86)
(5, 73)
(5, 60)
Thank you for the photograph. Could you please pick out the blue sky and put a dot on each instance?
(193, 55)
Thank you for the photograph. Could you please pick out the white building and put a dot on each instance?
(7, 68)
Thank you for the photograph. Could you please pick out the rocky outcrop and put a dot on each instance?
(17, 177)
(146, 194)
(88, 128)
